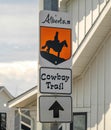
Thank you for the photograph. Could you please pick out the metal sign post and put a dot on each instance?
(51, 5)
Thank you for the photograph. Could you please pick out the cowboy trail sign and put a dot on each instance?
(55, 39)
(55, 80)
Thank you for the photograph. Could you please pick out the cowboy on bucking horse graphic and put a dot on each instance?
(55, 44)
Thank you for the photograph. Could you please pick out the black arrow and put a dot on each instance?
(56, 107)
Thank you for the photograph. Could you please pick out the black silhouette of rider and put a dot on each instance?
(56, 38)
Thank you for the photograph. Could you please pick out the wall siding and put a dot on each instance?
(84, 14)
(100, 87)
(81, 20)
(88, 14)
(108, 85)
(86, 82)
(75, 31)
(92, 90)
(10, 112)
(93, 95)
(102, 4)
(95, 7)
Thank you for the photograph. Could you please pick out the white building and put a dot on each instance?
(91, 63)
(7, 116)
(26, 106)
(91, 90)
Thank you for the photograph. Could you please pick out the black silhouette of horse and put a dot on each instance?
(57, 47)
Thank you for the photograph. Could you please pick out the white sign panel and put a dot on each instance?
(55, 80)
(55, 109)
(55, 39)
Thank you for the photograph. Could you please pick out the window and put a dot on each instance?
(23, 121)
(60, 128)
(2, 121)
(79, 121)
(23, 127)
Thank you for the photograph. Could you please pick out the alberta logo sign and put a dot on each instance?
(55, 20)
(55, 39)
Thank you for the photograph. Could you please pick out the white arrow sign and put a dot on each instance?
(55, 109)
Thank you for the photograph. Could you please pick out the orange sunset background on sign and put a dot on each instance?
(48, 33)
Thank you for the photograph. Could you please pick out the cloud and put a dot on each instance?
(18, 77)
(18, 31)
(19, 44)
(15, 52)
(18, 1)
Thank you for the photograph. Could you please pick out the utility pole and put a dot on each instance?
(51, 5)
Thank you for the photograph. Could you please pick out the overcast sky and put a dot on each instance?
(18, 44)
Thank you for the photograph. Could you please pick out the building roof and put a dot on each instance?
(3, 89)
(24, 99)
(92, 41)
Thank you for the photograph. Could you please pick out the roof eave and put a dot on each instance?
(24, 99)
(92, 41)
